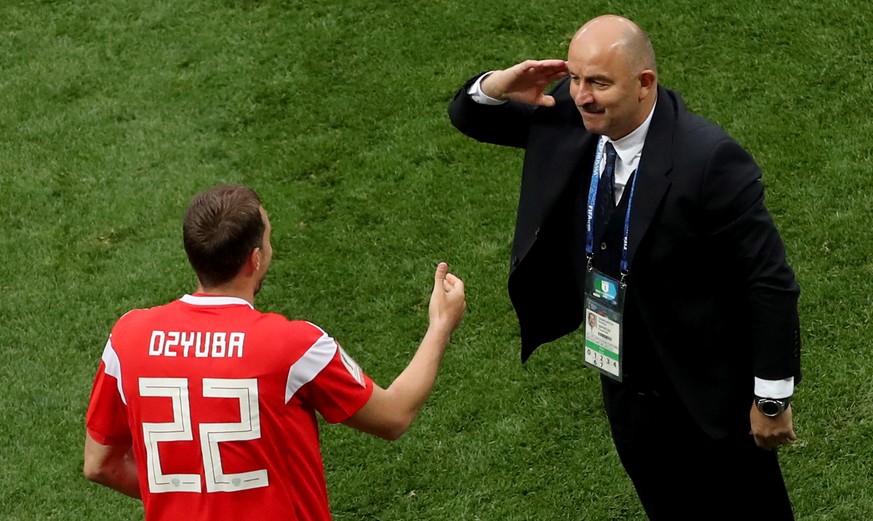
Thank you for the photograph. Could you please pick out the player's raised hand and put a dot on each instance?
(525, 82)
(447, 301)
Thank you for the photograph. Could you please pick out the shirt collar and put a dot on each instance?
(631, 145)
(214, 300)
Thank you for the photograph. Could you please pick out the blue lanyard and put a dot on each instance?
(592, 201)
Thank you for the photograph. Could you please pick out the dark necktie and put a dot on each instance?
(605, 191)
(607, 180)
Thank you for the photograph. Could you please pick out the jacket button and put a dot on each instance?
(603, 245)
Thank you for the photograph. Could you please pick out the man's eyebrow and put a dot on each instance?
(593, 77)
(598, 77)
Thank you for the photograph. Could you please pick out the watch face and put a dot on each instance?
(769, 408)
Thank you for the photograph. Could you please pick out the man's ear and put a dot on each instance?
(648, 81)
(254, 261)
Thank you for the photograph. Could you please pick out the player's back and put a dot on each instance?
(220, 409)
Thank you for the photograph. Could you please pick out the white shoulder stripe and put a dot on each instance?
(310, 364)
(113, 366)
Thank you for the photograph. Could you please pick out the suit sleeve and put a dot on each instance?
(505, 124)
(743, 229)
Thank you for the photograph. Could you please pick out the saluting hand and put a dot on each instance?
(525, 82)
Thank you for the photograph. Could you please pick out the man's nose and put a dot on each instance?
(582, 95)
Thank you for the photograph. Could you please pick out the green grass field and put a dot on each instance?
(114, 113)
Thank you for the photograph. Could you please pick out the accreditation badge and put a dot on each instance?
(604, 303)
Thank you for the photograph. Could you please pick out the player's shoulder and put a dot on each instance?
(293, 328)
(139, 316)
(286, 340)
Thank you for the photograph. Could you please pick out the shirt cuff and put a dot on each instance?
(777, 389)
(475, 92)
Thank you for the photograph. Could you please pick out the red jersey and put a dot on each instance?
(218, 401)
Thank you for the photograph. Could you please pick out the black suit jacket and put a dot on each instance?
(710, 292)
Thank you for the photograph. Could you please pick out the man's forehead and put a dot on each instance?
(592, 61)
(598, 59)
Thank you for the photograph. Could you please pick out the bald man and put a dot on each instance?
(653, 219)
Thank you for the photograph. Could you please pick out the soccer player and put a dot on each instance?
(205, 407)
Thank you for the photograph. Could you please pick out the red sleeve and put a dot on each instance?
(340, 389)
(325, 378)
(106, 420)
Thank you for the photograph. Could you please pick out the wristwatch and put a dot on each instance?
(772, 407)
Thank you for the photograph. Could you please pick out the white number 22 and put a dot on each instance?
(211, 434)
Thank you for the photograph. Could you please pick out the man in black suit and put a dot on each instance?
(653, 219)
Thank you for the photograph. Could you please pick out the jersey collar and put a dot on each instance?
(214, 300)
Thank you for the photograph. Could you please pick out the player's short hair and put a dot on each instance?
(221, 228)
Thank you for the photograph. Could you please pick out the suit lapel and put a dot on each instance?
(656, 163)
(544, 184)
(571, 144)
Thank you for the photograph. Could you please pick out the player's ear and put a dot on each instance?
(253, 263)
